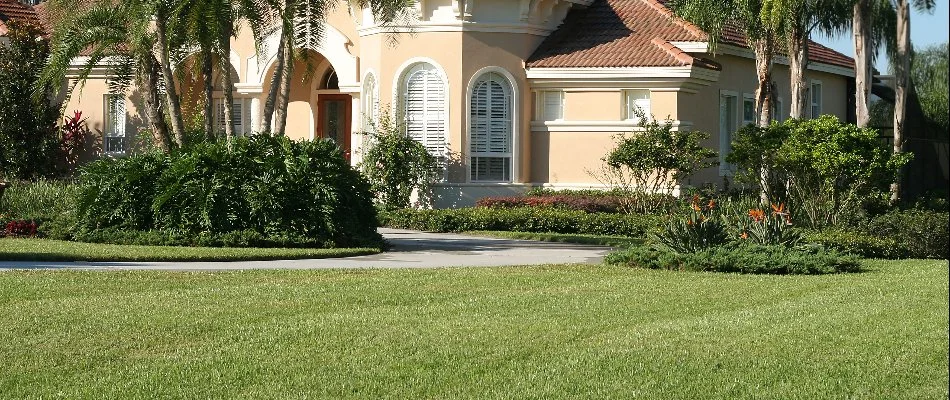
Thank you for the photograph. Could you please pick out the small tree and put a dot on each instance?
(654, 160)
(398, 166)
(28, 136)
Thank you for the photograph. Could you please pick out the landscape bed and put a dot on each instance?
(514, 332)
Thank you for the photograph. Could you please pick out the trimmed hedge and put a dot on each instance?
(741, 258)
(246, 238)
(604, 204)
(858, 243)
(923, 233)
(523, 219)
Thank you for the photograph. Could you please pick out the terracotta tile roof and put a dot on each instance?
(13, 9)
(618, 33)
(637, 33)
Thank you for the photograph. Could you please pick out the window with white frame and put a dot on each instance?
(748, 109)
(636, 103)
(778, 107)
(237, 116)
(491, 118)
(423, 104)
(370, 104)
(816, 101)
(550, 105)
(728, 115)
(113, 140)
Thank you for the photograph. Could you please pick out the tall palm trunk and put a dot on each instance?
(207, 73)
(226, 81)
(798, 63)
(148, 83)
(171, 93)
(275, 81)
(863, 52)
(902, 81)
(283, 99)
(764, 49)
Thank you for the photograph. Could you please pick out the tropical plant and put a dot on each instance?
(75, 131)
(398, 166)
(767, 228)
(29, 145)
(700, 230)
(929, 75)
(653, 161)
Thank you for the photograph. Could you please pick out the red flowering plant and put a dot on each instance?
(20, 228)
(698, 231)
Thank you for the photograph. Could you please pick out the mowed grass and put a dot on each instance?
(599, 240)
(57, 250)
(515, 332)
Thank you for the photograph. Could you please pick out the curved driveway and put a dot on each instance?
(410, 249)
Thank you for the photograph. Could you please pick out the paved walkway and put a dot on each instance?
(410, 249)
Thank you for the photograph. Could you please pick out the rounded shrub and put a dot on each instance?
(263, 189)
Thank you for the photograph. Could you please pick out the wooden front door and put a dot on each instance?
(335, 112)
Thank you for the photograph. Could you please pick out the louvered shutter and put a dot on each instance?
(425, 109)
(490, 135)
(552, 105)
(237, 116)
(114, 140)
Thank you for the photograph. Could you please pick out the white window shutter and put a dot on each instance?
(490, 134)
(424, 104)
(552, 105)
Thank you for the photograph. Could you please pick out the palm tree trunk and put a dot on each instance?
(227, 82)
(283, 99)
(171, 93)
(148, 83)
(902, 83)
(764, 49)
(207, 73)
(798, 63)
(863, 49)
(274, 86)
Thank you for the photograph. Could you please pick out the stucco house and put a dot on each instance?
(511, 94)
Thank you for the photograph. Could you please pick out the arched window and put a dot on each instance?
(423, 105)
(370, 105)
(330, 81)
(490, 129)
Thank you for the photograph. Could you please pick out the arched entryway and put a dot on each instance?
(334, 112)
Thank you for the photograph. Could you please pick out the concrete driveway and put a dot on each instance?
(410, 249)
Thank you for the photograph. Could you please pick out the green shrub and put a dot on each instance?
(246, 238)
(699, 230)
(265, 184)
(397, 165)
(740, 258)
(923, 233)
(50, 203)
(523, 220)
(858, 243)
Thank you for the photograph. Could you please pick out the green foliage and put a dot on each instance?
(29, 142)
(654, 160)
(929, 74)
(864, 245)
(740, 258)
(49, 202)
(923, 233)
(245, 238)
(522, 220)
(764, 227)
(700, 230)
(397, 166)
(270, 185)
(829, 167)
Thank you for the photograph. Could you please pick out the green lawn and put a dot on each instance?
(600, 240)
(540, 332)
(56, 250)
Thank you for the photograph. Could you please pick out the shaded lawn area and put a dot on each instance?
(539, 332)
(57, 250)
(599, 240)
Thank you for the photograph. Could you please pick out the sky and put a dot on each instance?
(926, 28)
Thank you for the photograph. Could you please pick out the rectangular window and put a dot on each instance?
(636, 103)
(816, 99)
(728, 115)
(748, 109)
(237, 116)
(777, 109)
(550, 105)
(113, 140)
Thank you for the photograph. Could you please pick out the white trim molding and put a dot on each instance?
(687, 79)
(623, 126)
(515, 120)
(744, 52)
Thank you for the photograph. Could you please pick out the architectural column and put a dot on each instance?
(255, 114)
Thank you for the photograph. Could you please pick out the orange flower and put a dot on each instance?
(744, 235)
(757, 215)
(712, 204)
(779, 209)
(695, 207)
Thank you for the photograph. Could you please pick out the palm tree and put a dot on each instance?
(122, 34)
(714, 17)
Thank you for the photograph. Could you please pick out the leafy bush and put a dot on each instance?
(29, 144)
(858, 243)
(830, 167)
(923, 233)
(522, 220)
(740, 258)
(397, 165)
(763, 227)
(266, 184)
(246, 238)
(587, 204)
(700, 230)
(654, 160)
(50, 203)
